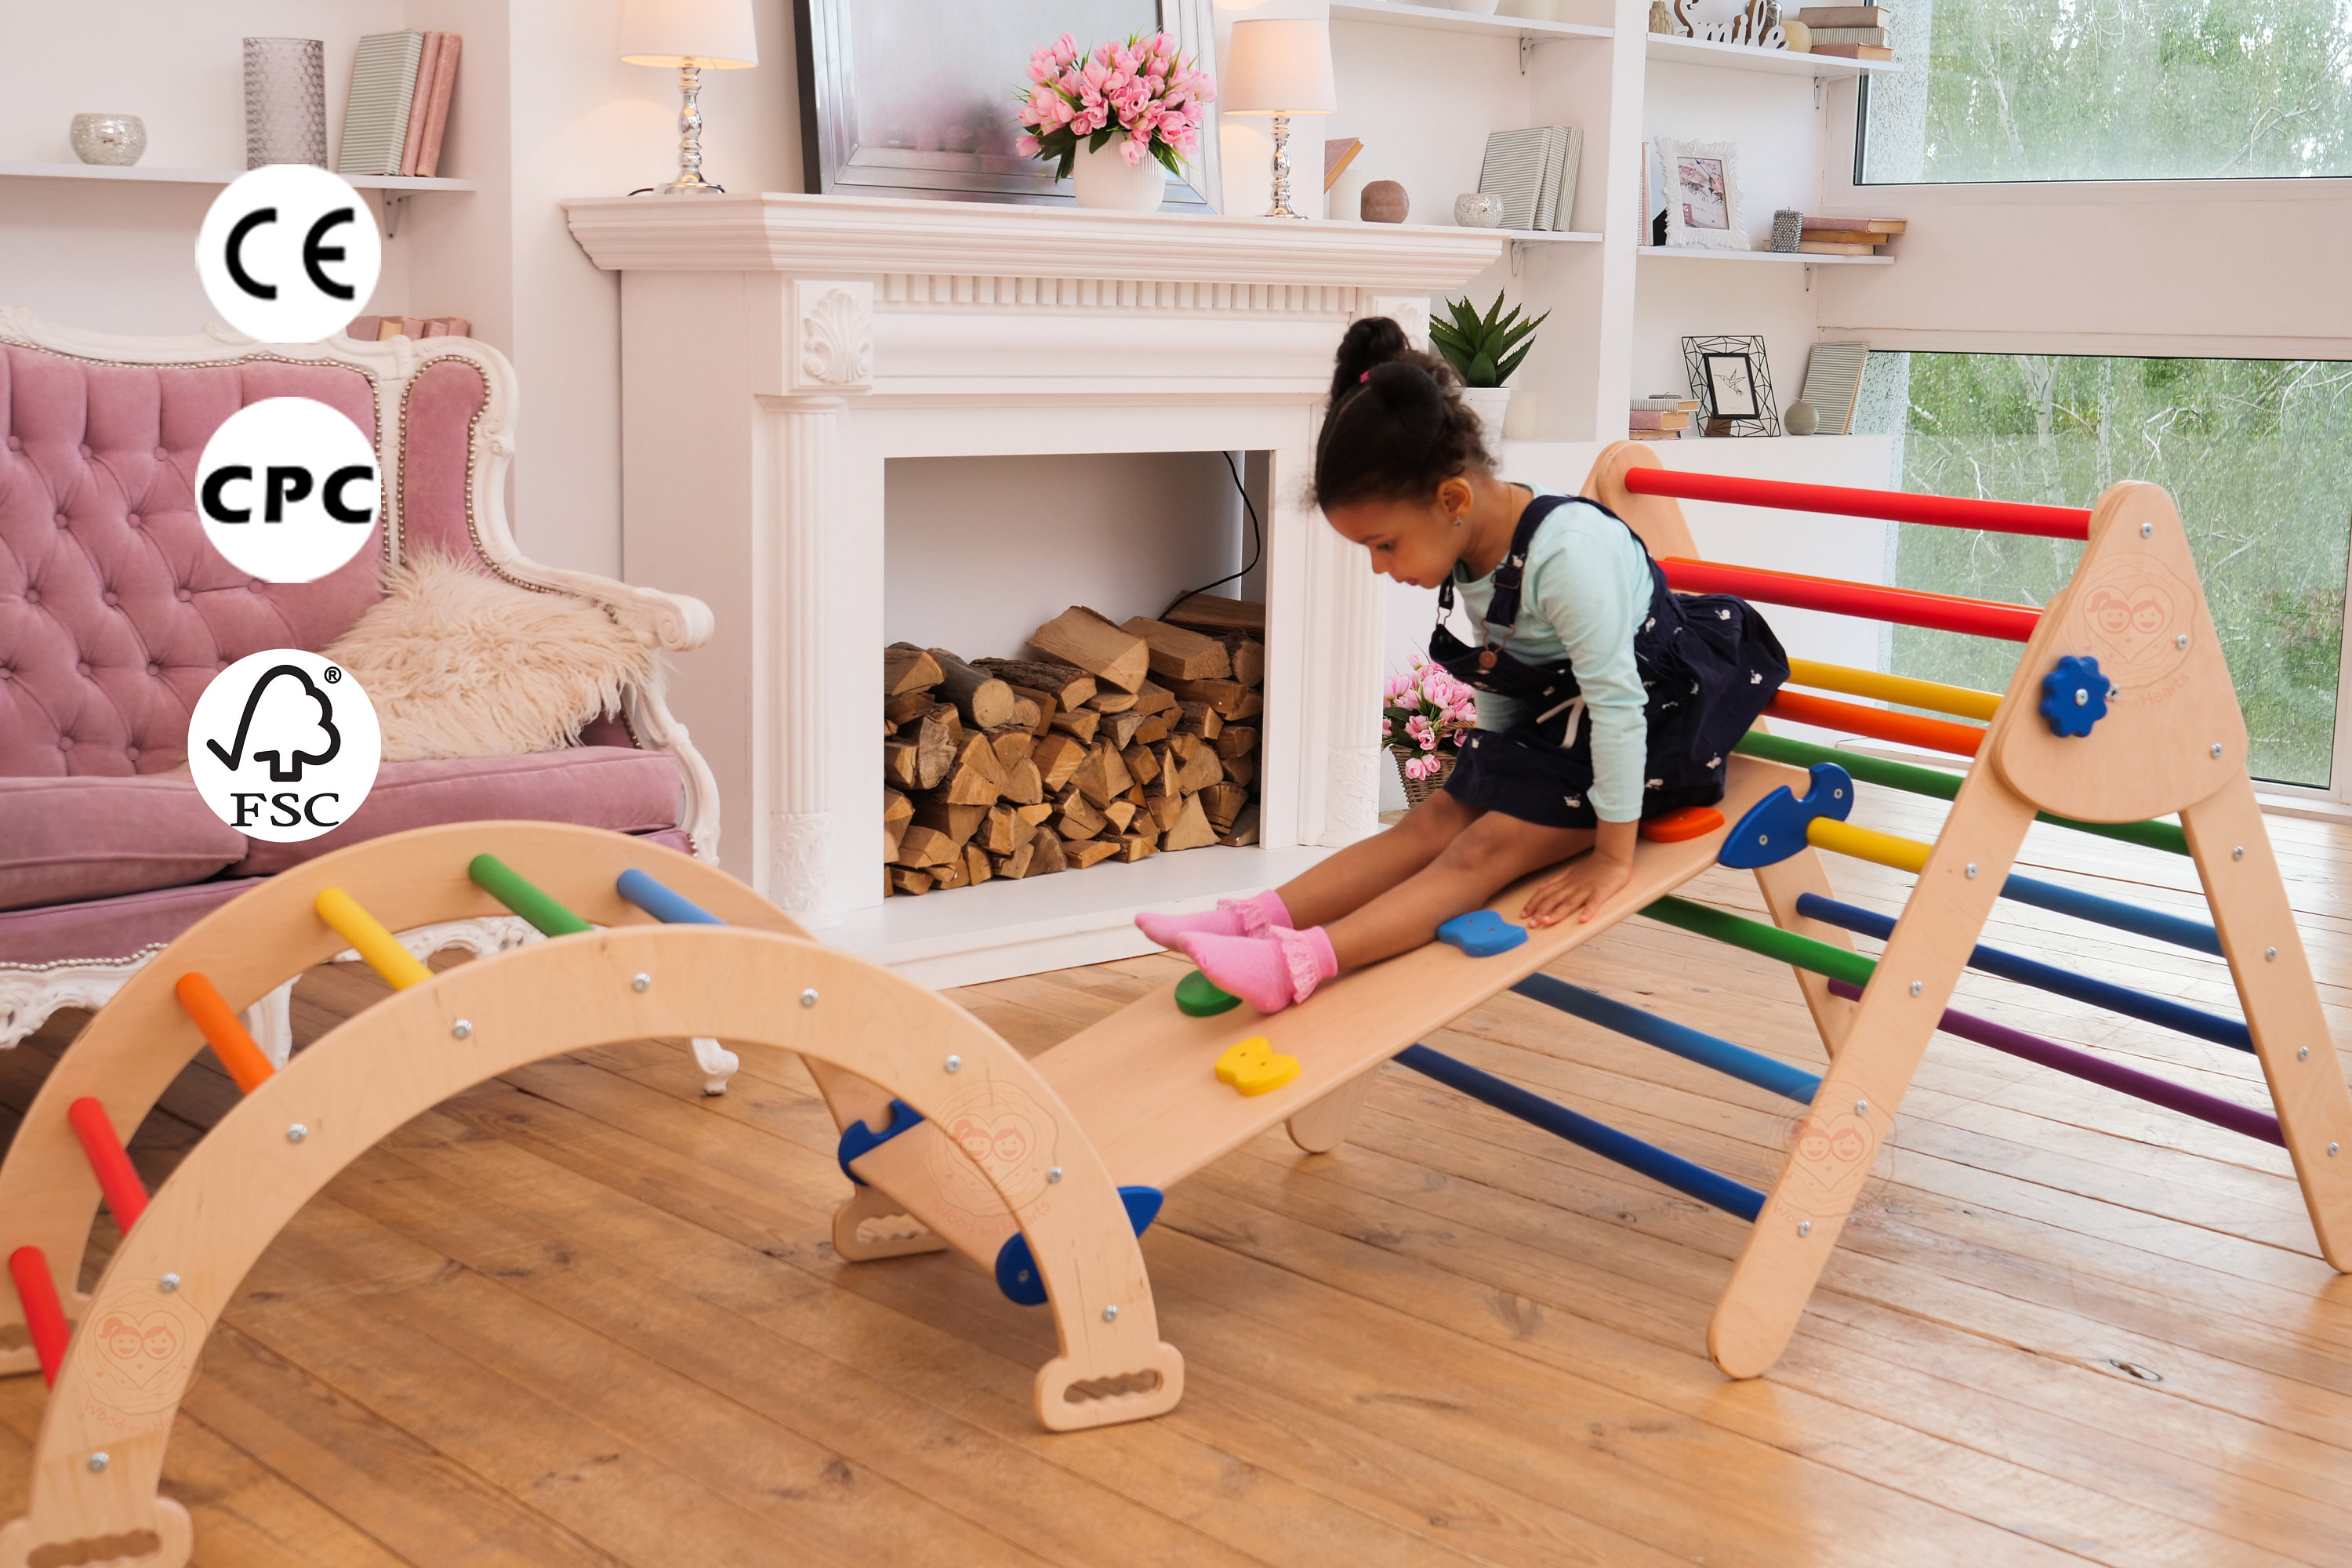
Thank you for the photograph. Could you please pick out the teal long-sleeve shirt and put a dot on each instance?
(1585, 589)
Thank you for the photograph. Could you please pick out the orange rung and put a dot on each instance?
(44, 1320)
(1880, 724)
(246, 1061)
(126, 1194)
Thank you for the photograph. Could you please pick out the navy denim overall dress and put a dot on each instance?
(1709, 664)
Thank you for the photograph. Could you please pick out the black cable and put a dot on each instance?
(1257, 543)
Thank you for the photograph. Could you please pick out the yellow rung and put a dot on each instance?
(1932, 695)
(1867, 844)
(366, 932)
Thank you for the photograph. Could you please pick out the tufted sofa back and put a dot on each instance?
(114, 609)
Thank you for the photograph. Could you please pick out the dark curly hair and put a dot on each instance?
(1396, 426)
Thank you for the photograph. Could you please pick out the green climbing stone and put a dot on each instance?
(1195, 996)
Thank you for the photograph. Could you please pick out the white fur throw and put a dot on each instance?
(462, 664)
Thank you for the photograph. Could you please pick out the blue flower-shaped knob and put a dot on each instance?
(2074, 696)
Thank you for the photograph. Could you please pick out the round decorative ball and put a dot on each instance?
(1477, 209)
(1384, 201)
(1799, 418)
(113, 139)
(1799, 36)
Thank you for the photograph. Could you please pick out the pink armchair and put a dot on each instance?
(114, 613)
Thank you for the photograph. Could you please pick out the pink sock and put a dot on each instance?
(1232, 916)
(1269, 973)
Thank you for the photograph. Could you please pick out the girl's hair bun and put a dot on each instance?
(1396, 426)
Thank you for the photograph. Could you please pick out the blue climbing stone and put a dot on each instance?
(2074, 695)
(1482, 933)
(1774, 827)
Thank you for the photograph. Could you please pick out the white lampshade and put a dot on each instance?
(715, 35)
(1278, 68)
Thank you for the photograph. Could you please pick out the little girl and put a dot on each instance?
(1602, 697)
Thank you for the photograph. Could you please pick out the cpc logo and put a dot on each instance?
(283, 745)
(288, 253)
(288, 489)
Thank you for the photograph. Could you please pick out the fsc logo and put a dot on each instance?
(283, 745)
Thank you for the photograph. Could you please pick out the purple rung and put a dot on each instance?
(2099, 1071)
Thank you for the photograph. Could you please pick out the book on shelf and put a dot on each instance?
(428, 60)
(1338, 153)
(1818, 16)
(1853, 51)
(383, 85)
(1834, 384)
(436, 104)
(1808, 246)
(1668, 402)
(1638, 433)
(1859, 224)
(1850, 35)
(1533, 171)
(1845, 235)
(1658, 419)
(381, 329)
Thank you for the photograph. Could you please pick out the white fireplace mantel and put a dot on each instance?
(778, 351)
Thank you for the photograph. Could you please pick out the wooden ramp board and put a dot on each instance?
(1143, 1085)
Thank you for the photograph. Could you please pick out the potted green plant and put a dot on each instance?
(1485, 351)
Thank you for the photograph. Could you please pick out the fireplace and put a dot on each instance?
(780, 353)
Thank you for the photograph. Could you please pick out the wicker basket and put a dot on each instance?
(1418, 790)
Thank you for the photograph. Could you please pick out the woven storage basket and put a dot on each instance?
(1418, 790)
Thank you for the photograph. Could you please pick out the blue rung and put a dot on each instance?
(661, 903)
(1668, 1170)
(2121, 999)
(1692, 1045)
(857, 1140)
(1016, 1268)
(2111, 912)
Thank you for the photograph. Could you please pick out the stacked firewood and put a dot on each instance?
(1112, 742)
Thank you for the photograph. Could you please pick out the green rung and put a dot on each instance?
(1942, 785)
(1771, 941)
(504, 883)
(1195, 994)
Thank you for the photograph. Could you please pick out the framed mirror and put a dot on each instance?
(917, 98)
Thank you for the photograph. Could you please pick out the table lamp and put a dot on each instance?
(1282, 69)
(693, 36)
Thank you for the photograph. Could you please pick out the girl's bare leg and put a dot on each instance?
(1362, 871)
(1487, 856)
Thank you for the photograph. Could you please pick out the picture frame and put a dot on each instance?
(1732, 381)
(1703, 206)
(917, 98)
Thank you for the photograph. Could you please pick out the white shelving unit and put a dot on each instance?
(213, 177)
(1699, 253)
(1745, 57)
(1436, 18)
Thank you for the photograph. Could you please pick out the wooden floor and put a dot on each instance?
(584, 1316)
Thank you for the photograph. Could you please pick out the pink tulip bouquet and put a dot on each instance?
(1141, 91)
(1424, 714)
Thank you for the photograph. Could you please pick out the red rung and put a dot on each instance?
(1878, 724)
(1896, 506)
(126, 1194)
(246, 1061)
(44, 1320)
(1907, 606)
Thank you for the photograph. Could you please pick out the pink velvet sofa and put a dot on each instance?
(114, 613)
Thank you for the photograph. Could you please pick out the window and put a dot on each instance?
(2257, 454)
(2111, 90)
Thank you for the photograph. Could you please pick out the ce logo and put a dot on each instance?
(288, 253)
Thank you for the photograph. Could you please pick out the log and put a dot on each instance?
(1067, 685)
(906, 705)
(1058, 757)
(1015, 866)
(899, 764)
(1191, 830)
(941, 815)
(1112, 701)
(1169, 767)
(1136, 796)
(896, 809)
(1120, 728)
(1042, 704)
(970, 786)
(1210, 613)
(999, 831)
(951, 874)
(1103, 775)
(1223, 803)
(1136, 846)
(1155, 727)
(1023, 785)
(1227, 697)
(1153, 697)
(1242, 770)
(976, 865)
(1050, 857)
(1079, 723)
(1180, 654)
(1090, 640)
(891, 834)
(1089, 852)
(1164, 809)
(1075, 816)
(1200, 719)
(913, 883)
(1142, 764)
(1201, 769)
(1249, 657)
(1234, 738)
(1244, 828)
(1253, 704)
(977, 751)
(1012, 743)
(906, 668)
(921, 847)
(938, 735)
(1032, 815)
(984, 701)
(1119, 814)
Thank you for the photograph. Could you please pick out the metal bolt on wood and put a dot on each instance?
(1860, 1107)
(641, 982)
(168, 1283)
(2238, 852)
(2146, 529)
(1972, 869)
(97, 1462)
(1805, 1227)
(2270, 955)
(808, 997)
(2180, 641)
(955, 1064)
(296, 1133)
(2302, 1053)
(1918, 987)
(1110, 1314)
(461, 1029)
(2217, 748)
(1054, 1175)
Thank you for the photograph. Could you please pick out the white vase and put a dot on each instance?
(1106, 179)
(1489, 403)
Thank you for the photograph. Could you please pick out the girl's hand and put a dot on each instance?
(1588, 881)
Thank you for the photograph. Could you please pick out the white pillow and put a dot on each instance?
(462, 664)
